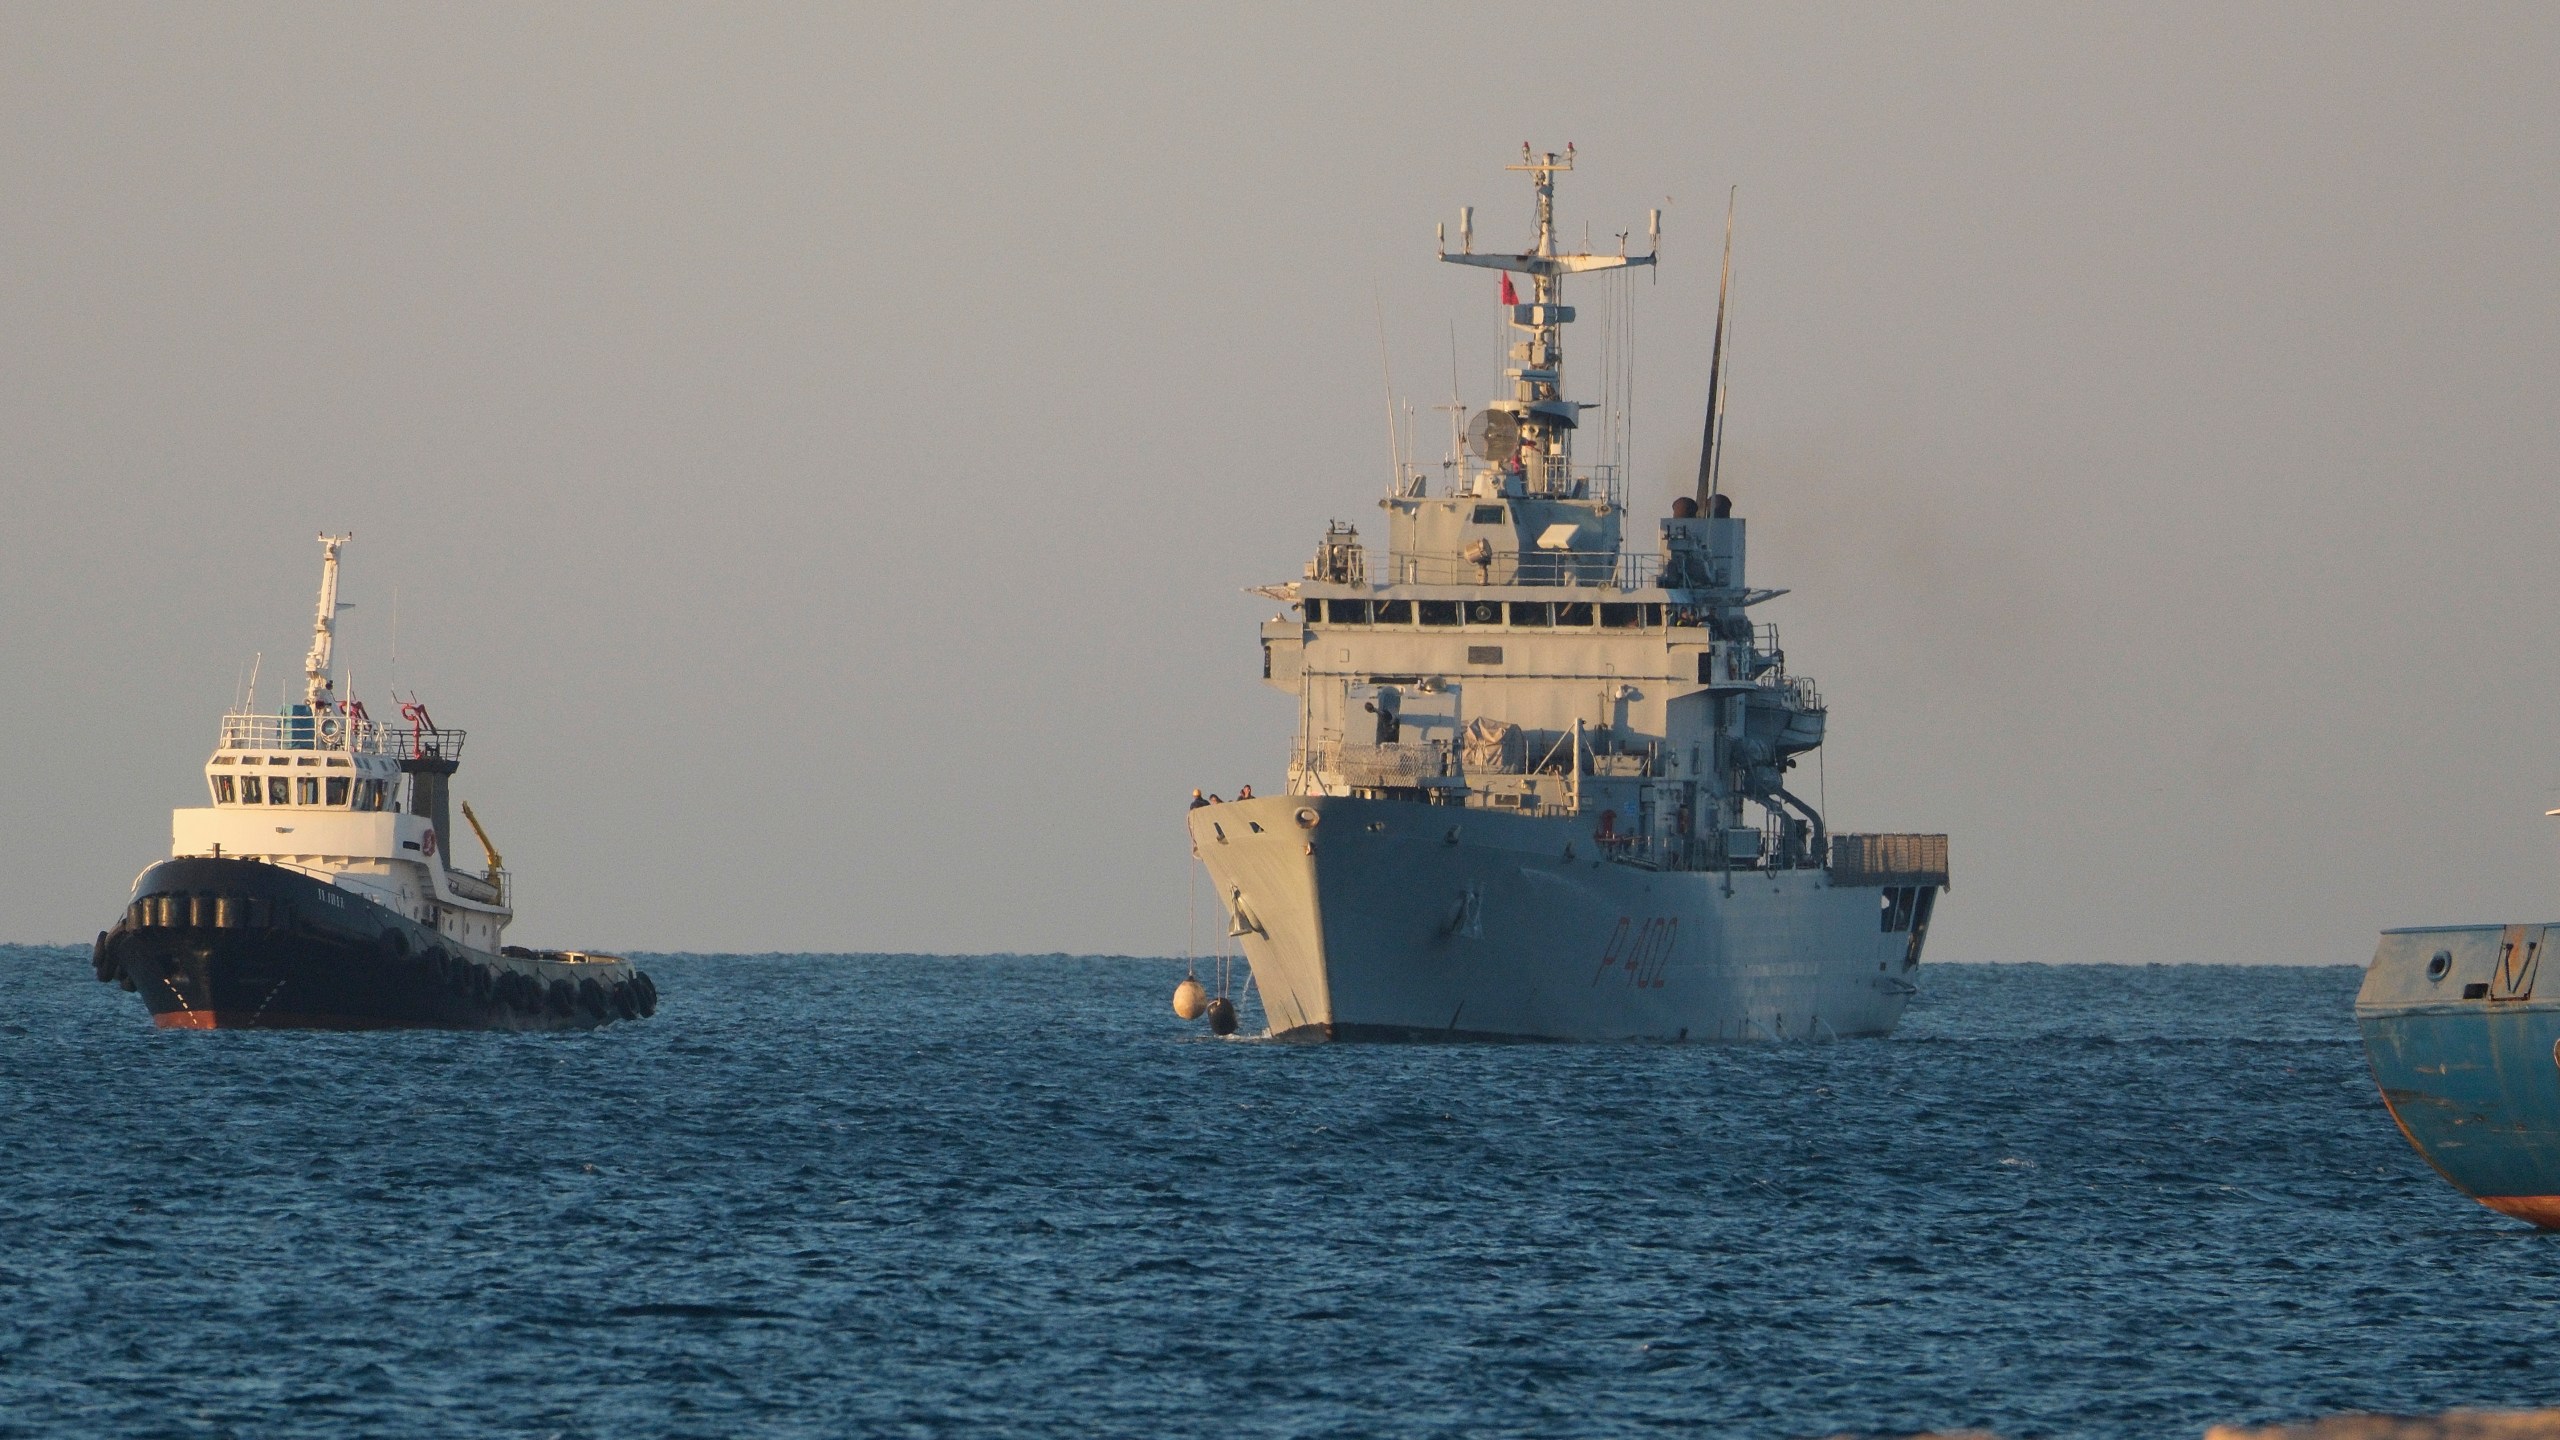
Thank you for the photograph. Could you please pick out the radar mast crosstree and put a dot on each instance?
(1546, 418)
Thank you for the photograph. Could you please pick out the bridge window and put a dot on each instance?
(1621, 617)
(1574, 612)
(276, 791)
(1487, 515)
(337, 790)
(307, 790)
(222, 791)
(1395, 612)
(1532, 612)
(1347, 612)
(1439, 612)
(249, 789)
(1485, 612)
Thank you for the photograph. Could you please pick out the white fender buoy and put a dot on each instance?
(1190, 998)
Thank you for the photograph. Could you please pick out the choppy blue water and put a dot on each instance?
(826, 1196)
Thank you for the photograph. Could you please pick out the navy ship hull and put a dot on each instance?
(2467, 1057)
(1369, 919)
(224, 944)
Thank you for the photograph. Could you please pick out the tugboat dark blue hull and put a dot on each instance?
(2468, 1059)
(223, 944)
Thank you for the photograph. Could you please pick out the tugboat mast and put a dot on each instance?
(318, 684)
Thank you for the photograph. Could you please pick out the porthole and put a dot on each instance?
(1307, 817)
(2440, 965)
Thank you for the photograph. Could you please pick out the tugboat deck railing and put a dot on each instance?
(247, 731)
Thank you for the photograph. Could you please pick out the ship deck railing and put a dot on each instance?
(242, 730)
(1589, 569)
(1585, 482)
(1394, 765)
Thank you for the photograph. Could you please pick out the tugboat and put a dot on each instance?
(1540, 783)
(2465, 1048)
(317, 891)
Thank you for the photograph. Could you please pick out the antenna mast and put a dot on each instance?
(1544, 418)
(1709, 445)
(324, 627)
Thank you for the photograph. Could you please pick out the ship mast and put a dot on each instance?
(1546, 419)
(318, 684)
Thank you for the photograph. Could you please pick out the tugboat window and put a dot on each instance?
(307, 790)
(337, 789)
(1439, 612)
(276, 791)
(222, 792)
(1395, 612)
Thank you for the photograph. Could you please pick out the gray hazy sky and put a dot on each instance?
(817, 451)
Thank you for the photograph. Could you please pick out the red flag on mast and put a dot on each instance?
(1509, 295)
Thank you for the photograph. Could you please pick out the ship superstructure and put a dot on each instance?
(318, 888)
(1540, 785)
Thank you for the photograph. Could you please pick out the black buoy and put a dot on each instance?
(1222, 1016)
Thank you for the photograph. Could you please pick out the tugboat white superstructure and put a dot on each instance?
(317, 891)
(1539, 787)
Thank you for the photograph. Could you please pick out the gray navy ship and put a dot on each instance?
(1541, 781)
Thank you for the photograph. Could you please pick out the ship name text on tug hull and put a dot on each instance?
(317, 891)
(1540, 782)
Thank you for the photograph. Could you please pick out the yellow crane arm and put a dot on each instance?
(496, 864)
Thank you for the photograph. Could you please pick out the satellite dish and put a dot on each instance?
(1494, 434)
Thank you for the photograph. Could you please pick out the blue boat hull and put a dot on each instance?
(2468, 1058)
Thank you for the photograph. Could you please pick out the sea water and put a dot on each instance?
(892, 1195)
